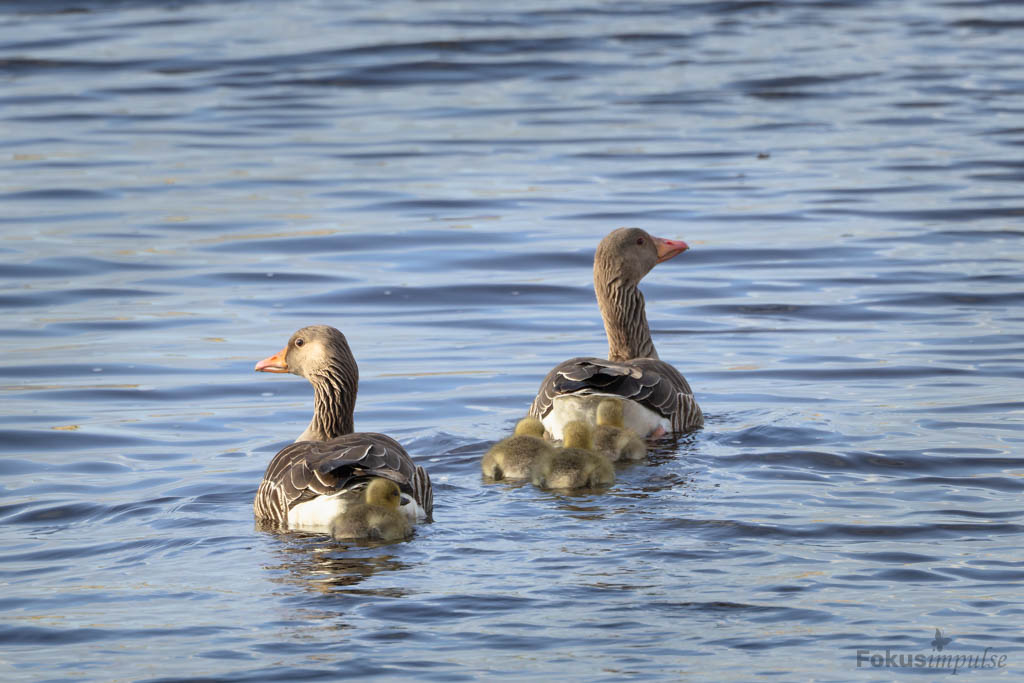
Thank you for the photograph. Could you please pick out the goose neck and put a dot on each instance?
(625, 321)
(333, 404)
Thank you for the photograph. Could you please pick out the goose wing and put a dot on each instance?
(652, 383)
(306, 469)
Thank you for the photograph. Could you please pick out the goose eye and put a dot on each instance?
(299, 342)
(639, 240)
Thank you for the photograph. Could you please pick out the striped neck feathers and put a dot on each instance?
(625, 319)
(334, 385)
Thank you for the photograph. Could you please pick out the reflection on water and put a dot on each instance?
(182, 186)
(331, 567)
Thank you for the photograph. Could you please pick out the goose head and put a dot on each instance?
(321, 354)
(628, 254)
(308, 352)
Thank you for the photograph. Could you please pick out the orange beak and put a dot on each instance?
(668, 249)
(275, 363)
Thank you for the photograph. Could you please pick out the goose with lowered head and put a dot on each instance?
(311, 483)
(656, 398)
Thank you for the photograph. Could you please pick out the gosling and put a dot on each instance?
(611, 438)
(575, 465)
(514, 457)
(377, 517)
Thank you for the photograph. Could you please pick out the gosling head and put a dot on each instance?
(577, 434)
(609, 412)
(383, 492)
(529, 426)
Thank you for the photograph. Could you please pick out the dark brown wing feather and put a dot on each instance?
(652, 383)
(306, 469)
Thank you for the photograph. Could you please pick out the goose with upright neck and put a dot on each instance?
(310, 484)
(656, 398)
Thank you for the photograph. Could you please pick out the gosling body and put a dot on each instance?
(377, 517)
(575, 465)
(611, 437)
(514, 457)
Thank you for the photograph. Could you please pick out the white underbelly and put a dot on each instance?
(315, 516)
(569, 407)
(413, 511)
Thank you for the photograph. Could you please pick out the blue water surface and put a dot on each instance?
(183, 184)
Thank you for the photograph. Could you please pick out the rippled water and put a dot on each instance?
(183, 185)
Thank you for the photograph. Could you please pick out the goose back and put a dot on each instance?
(306, 469)
(652, 383)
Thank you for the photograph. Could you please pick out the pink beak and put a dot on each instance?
(668, 249)
(275, 363)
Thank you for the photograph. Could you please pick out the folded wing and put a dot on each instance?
(306, 469)
(652, 383)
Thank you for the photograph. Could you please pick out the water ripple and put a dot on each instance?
(185, 186)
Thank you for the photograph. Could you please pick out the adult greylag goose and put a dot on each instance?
(575, 465)
(513, 458)
(656, 398)
(312, 482)
(611, 438)
(377, 518)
